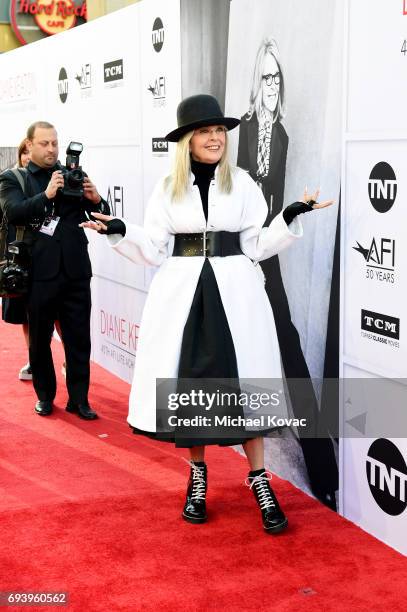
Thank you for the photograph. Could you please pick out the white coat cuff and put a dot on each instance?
(294, 230)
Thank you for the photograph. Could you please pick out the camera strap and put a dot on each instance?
(18, 173)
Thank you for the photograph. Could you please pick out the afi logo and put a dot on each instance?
(386, 472)
(115, 199)
(157, 35)
(158, 88)
(382, 187)
(85, 77)
(379, 254)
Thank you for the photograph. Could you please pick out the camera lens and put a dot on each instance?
(75, 178)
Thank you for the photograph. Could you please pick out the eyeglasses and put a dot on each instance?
(218, 131)
(271, 78)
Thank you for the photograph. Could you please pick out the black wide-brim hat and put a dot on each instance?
(199, 111)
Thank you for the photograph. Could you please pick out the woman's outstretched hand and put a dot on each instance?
(98, 225)
(312, 200)
(308, 203)
(105, 224)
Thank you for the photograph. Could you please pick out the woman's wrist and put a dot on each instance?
(114, 226)
(295, 209)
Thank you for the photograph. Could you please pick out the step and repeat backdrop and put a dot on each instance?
(374, 280)
(114, 85)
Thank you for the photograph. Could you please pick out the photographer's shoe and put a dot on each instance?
(25, 373)
(43, 407)
(195, 504)
(84, 411)
(274, 519)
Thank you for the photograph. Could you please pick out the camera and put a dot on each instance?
(15, 275)
(72, 172)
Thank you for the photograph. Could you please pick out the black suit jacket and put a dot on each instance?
(67, 248)
(273, 183)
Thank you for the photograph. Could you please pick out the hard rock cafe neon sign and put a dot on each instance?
(34, 19)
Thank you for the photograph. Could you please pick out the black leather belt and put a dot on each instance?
(207, 244)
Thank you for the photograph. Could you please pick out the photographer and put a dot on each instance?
(51, 210)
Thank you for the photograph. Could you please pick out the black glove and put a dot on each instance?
(295, 209)
(114, 226)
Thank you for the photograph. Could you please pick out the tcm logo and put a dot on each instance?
(63, 86)
(84, 77)
(157, 35)
(113, 71)
(386, 472)
(115, 199)
(159, 146)
(380, 258)
(380, 324)
(382, 187)
(158, 89)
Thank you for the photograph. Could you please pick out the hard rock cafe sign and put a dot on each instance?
(32, 20)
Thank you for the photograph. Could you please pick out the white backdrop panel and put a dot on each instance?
(116, 315)
(360, 481)
(373, 275)
(377, 89)
(117, 172)
(368, 283)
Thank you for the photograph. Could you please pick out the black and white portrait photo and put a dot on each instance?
(283, 80)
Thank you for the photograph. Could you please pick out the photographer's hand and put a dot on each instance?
(56, 182)
(90, 191)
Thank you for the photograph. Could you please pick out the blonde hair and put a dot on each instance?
(178, 180)
(267, 46)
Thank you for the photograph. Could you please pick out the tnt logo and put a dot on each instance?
(386, 472)
(63, 85)
(157, 35)
(382, 187)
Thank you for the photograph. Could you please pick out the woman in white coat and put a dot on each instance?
(207, 315)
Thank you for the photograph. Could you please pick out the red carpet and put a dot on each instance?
(98, 516)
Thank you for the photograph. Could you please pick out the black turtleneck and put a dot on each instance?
(203, 173)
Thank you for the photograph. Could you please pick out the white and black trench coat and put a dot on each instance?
(240, 282)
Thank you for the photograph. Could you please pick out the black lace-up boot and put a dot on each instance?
(195, 505)
(274, 519)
